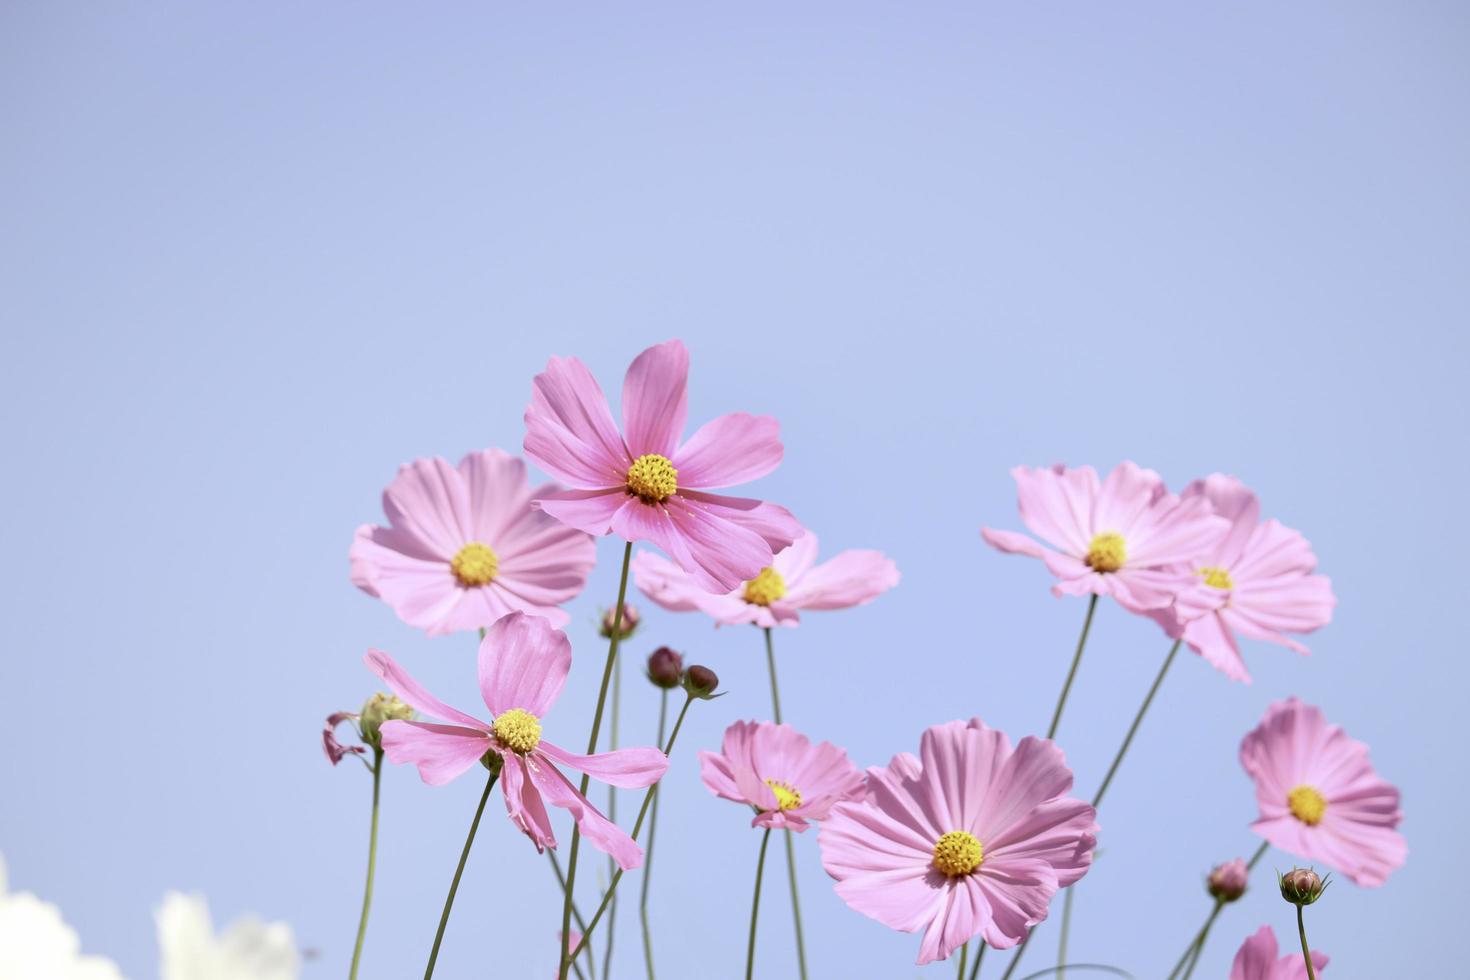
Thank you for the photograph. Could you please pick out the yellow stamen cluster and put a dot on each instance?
(518, 730)
(652, 478)
(787, 796)
(765, 588)
(474, 565)
(958, 853)
(1107, 552)
(1307, 805)
(1216, 576)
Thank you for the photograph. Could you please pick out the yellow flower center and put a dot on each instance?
(1307, 805)
(1107, 553)
(1216, 576)
(652, 478)
(518, 730)
(958, 853)
(475, 565)
(787, 796)
(765, 588)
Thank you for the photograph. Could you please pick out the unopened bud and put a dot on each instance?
(380, 708)
(625, 628)
(701, 682)
(665, 667)
(1302, 886)
(1227, 882)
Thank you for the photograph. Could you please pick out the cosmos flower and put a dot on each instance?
(973, 838)
(1256, 960)
(1319, 796)
(465, 545)
(791, 582)
(36, 943)
(523, 666)
(1125, 536)
(644, 484)
(1256, 581)
(248, 950)
(778, 771)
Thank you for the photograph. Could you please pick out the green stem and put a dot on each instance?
(1056, 717)
(1133, 728)
(367, 891)
(790, 847)
(637, 826)
(1016, 960)
(964, 955)
(1196, 947)
(607, 670)
(755, 905)
(1301, 928)
(454, 885)
(612, 811)
(1066, 928)
(576, 914)
(663, 714)
(979, 955)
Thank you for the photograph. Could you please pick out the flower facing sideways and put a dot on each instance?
(1256, 960)
(778, 771)
(1319, 796)
(464, 546)
(248, 950)
(792, 582)
(1124, 536)
(974, 837)
(523, 666)
(643, 484)
(1256, 581)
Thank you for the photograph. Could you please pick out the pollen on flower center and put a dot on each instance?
(652, 478)
(518, 730)
(1216, 576)
(958, 853)
(1107, 552)
(787, 796)
(765, 588)
(474, 565)
(1307, 805)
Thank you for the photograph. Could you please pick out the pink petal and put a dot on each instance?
(719, 778)
(523, 663)
(960, 764)
(428, 500)
(718, 553)
(401, 684)
(496, 492)
(1212, 639)
(1235, 502)
(674, 589)
(586, 510)
(1056, 505)
(1125, 499)
(570, 432)
(954, 925)
(523, 802)
(600, 832)
(422, 592)
(624, 768)
(1021, 782)
(441, 752)
(1012, 543)
(1256, 958)
(1018, 892)
(655, 400)
(1060, 832)
(729, 450)
(794, 560)
(850, 579)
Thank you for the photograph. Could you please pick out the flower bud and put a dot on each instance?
(1227, 882)
(380, 708)
(701, 682)
(665, 668)
(626, 628)
(1302, 886)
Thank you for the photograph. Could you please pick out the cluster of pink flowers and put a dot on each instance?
(973, 837)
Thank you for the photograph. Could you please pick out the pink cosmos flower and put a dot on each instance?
(777, 770)
(1256, 581)
(335, 750)
(524, 663)
(1319, 796)
(643, 484)
(772, 598)
(1256, 960)
(974, 837)
(465, 546)
(1124, 537)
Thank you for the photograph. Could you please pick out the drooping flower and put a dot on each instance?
(1256, 960)
(974, 837)
(791, 582)
(643, 484)
(1256, 581)
(523, 666)
(778, 771)
(248, 950)
(1319, 795)
(1125, 536)
(335, 750)
(465, 545)
(35, 942)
